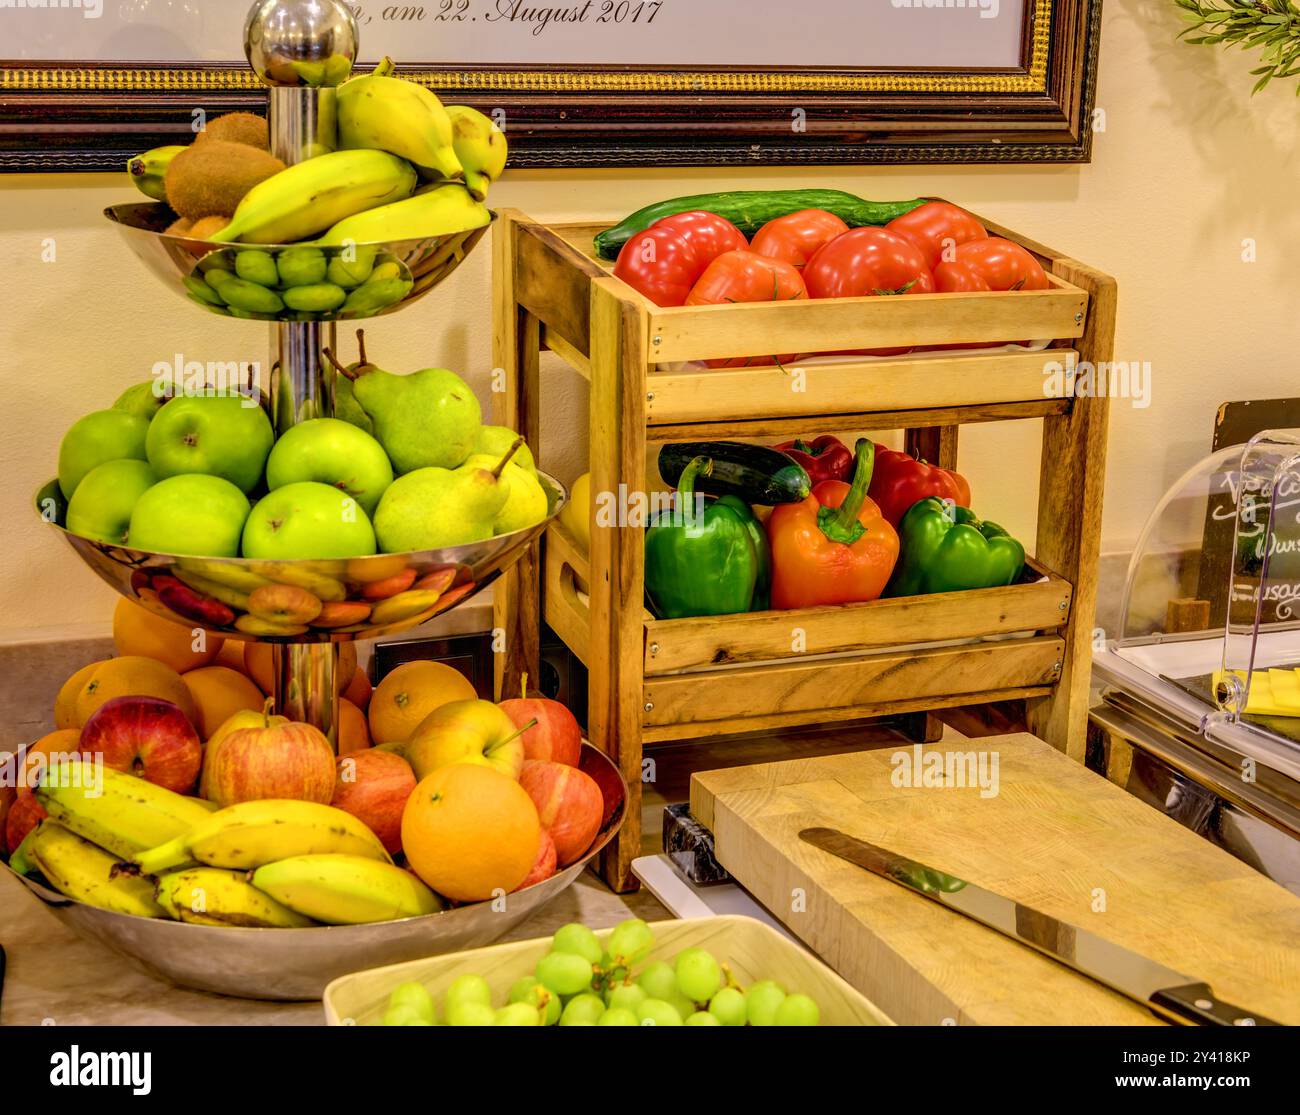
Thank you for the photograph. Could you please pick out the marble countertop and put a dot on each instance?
(55, 977)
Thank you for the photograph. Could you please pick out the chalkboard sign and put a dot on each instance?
(84, 84)
(1235, 424)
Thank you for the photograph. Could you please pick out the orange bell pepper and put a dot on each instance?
(834, 547)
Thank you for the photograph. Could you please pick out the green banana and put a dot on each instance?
(20, 859)
(121, 813)
(346, 890)
(252, 833)
(391, 114)
(438, 211)
(147, 171)
(212, 896)
(480, 146)
(84, 872)
(310, 196)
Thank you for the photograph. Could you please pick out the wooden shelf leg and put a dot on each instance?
(616, 684)
(516, 595)
(1072, 473)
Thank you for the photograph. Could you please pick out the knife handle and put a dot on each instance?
(1195, 1004)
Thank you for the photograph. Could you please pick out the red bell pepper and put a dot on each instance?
(900, 480)
(826, 458)
(833, 547)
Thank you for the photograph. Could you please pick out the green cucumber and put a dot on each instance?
(755, 473)
(750, 210)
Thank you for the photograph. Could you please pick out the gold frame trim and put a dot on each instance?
(133, 80)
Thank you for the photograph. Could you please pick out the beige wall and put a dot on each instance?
(1187, 167)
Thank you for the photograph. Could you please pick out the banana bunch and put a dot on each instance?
(480, 146)
(311, 196)
(85, 872)
(121, 813)
(147, 171)
(253, 833)
(345, 889)
(212, 896)
(381, 113)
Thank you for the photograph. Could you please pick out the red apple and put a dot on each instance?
(569, 805)
(373, 786)
(24, 815)
(146, 736)
(289, 760)
(544, 866)
(556, 736)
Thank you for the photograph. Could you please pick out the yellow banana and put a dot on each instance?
(78, 869)
(120, 812)
(321, 585)
(439, 211)
(212, 896)
(147, 171)
(252, 833)
(391, 114)
(480, 146)
(346, 890)
(310, 196)
(224, 573)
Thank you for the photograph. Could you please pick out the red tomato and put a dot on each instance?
(866, 261)
(661, 264)
(796, 237)
(744, 276)
(990, 264)
(709, 234)
(937, 227)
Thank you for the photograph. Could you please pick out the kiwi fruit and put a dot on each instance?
(179, 227)
(238, 127)
(208, 227)
(209, 179)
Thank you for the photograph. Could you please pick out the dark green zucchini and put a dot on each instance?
(750, 210)
(755, 473)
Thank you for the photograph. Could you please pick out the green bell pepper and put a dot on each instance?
(699, 560)
(946, 548)
(763, 585)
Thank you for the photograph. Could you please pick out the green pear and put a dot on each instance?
(105, 435)
(526, 504)
(347, 408)
(432, 508)
(496, 441)
(428, 419)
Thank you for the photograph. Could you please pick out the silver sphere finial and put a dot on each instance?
(301, 42)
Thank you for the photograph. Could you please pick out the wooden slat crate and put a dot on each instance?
(656, 680)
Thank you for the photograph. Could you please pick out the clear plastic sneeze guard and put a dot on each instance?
(1208, 627)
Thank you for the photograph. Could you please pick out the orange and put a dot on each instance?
(65, 704)
(359, 689)
(62, 741)
(409, 693)
(353, 734)
(133, 676)
(470, 831)
(258, 666)
(219, 692)
(231, 654)
(137, 631)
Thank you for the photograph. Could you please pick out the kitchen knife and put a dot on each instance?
(1172, 995)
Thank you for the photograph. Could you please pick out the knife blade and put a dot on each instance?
(1171, 994)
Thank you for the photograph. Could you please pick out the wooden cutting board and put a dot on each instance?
(1054, 836)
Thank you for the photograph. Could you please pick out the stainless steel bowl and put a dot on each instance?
(182, 263)
(295, 964)
(340, 599)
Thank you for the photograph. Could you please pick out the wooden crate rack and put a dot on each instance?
(652, 681)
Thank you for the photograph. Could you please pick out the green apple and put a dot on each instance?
(101, 507)
(332, 452)
(221, 435)
(191, 514)
(495, 442)
(144, 399)
(526, 502)
(308, 520)
(105, 435)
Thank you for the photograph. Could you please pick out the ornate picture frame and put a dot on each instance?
(85, 116)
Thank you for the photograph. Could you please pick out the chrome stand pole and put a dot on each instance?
(302, 49)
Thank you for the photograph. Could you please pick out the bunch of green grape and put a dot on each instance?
(581, 983)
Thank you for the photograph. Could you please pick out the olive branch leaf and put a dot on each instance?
(1270, 26)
